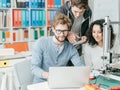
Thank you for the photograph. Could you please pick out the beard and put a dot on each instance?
(60, 38)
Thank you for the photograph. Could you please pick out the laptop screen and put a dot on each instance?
(68, 77)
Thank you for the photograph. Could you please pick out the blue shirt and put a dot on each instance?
(46, 54)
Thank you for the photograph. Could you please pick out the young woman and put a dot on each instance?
(93, 50)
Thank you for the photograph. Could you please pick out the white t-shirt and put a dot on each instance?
(92, 56)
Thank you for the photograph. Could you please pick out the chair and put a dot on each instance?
(24, 74)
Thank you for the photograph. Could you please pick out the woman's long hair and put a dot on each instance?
(91, 39)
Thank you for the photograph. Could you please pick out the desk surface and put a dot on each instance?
(44, 86)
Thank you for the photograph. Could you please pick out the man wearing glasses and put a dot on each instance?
(54, 50)
(79, 13)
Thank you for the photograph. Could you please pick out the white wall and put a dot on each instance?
(103, 8)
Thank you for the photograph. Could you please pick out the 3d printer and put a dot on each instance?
(108, 56)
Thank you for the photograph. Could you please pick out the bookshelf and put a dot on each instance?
(5, 21)
(26, 20)
(52, 5)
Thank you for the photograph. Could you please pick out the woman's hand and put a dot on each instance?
(84, 39)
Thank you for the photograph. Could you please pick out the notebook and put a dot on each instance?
(68, 77)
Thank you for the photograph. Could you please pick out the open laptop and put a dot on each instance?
(68, 77)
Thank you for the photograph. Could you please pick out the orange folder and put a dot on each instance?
(15, 18)
(18, 47)
(19, 13)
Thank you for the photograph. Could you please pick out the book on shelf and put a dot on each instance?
(26, 35)
(5, 3)
(37, 3)
(20, 35)
(20, 18)
(23, 18)
(31, 37)
(52, 13)
(1, 21)
(50, 16)
(48, 31)
(57, 3)
(38, 18)
(36, 33)
(48, 4)
(8, 19)
(14, 35)
(8, 3)
(14, 5)
(20, 3)
(3, 35)
(5, 18)
(42, 32)
(26, 18)
(54, 3)
(7, 36)
(15, 17)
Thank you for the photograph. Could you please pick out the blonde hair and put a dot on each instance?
(61, 19)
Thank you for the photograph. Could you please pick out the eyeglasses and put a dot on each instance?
(58, 31)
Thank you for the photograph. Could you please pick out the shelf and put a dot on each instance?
(27, 20)
(5, 28)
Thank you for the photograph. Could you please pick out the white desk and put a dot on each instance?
(44, 86)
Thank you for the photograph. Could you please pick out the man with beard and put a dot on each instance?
(54, 50)
(80, 14)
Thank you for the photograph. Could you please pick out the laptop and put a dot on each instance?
(68, 77)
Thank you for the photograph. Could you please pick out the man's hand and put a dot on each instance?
(45, 75)
(72, 37)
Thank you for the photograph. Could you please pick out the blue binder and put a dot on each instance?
(26, 17)
(4, 3)
(23, 18)
(32, 3)
(8, 2)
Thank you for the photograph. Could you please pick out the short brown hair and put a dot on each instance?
(80, 3)
(61, 19)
